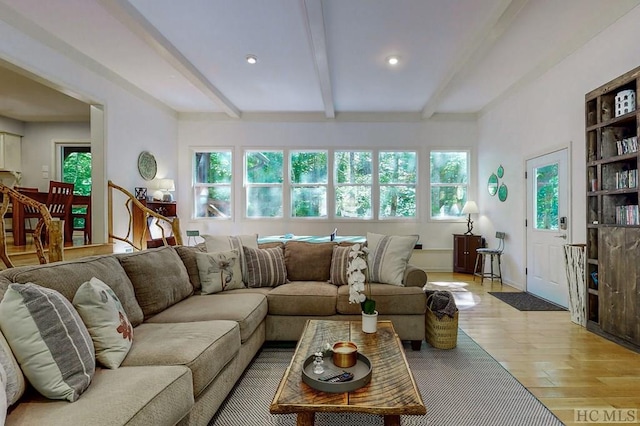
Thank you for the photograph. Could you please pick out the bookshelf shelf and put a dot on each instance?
(613, 222)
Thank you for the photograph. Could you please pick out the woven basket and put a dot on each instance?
(441, 333)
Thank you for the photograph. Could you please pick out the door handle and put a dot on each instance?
(563, 236)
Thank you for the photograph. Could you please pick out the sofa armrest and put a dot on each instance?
(414, 277)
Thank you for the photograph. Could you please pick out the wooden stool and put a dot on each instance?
(481, 256)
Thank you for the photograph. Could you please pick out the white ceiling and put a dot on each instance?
(314, 56)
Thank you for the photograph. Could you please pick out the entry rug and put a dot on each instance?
(523, 301)
(463, 386)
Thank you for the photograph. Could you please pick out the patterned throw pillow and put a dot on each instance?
(219, 271)
(14, 384)
(388, 257)
(106, 320)
(215, 243)
(49, 340)
(265, 267)
(339, 263)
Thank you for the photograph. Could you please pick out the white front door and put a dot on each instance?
(547, 226)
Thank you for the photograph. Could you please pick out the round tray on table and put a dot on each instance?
(361, 375)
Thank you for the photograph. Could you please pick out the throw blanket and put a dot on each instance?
(441, 303)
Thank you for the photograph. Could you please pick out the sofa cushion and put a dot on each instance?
(159, 278)
(132, 396)
(303, 298)
(102, 313)
(265, 267)
(66, 277)
(388, 257)
(247, 309)
(219, 271)
(49, 340)
(188, 256)
(339, 264)
(390, 300)
(215, 243)
(14, 383)
(308, 261)
(205, 347)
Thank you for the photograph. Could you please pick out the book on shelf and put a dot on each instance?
(628, 145)
(627, 215)
(627, 179)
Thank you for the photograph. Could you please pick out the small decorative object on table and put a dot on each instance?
(345, 354)
(141, 193)
(359, 292)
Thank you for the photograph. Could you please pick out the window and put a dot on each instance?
(397, 179)
(213, 177)
(449, 183)
(309, 181)
(546, 204)
(264, 175)
(353, 182)
(76, 169)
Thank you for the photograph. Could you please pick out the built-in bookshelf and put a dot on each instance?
(613, 223)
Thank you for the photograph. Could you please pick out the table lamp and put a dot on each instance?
(469, 208)
(165, 187)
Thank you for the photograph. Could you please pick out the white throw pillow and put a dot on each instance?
(108, 325)
(215, 243)
(49, 340)
(388, 257)
(219, 271)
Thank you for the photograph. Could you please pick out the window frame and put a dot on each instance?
(431, 185)
(198, 186)
(371, 185)
(416, 186)
(246, 185)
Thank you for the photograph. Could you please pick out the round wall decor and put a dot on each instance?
(147, 165)
(502, 192)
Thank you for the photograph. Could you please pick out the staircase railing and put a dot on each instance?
(139, 242)
(53, 227)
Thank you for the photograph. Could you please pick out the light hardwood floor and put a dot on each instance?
(561, 363)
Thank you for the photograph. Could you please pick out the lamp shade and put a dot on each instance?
(470, 207)
(166, 185)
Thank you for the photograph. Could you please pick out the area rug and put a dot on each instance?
(523, 301)
(460, 386)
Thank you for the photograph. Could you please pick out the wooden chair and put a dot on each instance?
(81, 217)
(59, 203)
(30, 213)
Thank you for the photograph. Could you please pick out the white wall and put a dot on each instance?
(541, 116)
(133, 122)
(37, 149)
(201, 132)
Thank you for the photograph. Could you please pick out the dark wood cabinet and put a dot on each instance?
(464, 252)
(613, 223)
(148, 227)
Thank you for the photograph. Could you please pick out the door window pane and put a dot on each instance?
(546, 202)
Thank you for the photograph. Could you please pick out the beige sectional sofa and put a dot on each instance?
(189, 349)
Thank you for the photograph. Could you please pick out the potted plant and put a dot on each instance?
(359, 289)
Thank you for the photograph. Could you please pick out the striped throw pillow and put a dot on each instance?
(265, 267)
(388, 257)
(49, 340)
(339, 263)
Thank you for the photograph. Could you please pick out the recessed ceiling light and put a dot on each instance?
(393, 60)
(252, 59)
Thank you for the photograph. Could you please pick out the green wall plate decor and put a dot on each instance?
(492, 184)
(502, 192)
(500, 171)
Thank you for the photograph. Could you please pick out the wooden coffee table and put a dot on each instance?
(392, 391)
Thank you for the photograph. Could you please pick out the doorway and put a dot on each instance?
(548, 213)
